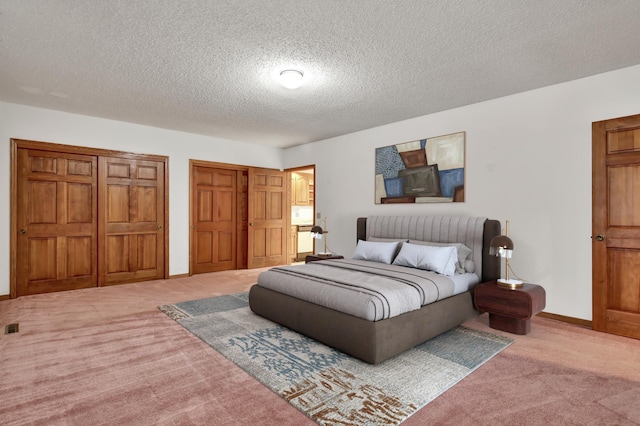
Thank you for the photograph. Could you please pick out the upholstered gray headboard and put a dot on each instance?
(474, 232)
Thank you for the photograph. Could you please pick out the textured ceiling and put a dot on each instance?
(209, 67)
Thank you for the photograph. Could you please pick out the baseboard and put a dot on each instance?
(5, 297)
(570, 320)
(179, 276)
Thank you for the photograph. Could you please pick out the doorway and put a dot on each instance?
(302, 212)
(616, 226)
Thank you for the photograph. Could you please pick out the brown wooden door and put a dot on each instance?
(616, 226)
(56, 244)
(132, 215)
(243, 218)
(268, 218)
(214, 220)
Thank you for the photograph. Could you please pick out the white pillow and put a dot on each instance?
(469, 266)
(376, 251)
(463, 253)
(442, 260)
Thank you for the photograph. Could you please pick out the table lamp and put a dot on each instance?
(317, 233)
(502, 246)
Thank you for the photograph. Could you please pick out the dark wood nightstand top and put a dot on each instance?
(522, 302)
(316, 257)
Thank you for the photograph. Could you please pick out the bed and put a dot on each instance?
(375, 341)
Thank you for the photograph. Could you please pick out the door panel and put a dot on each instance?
(118, 252)
(43, 258)
(43, 209)
(132, 194)
(616, 220)
(259, 246)
(147, 246)
(75, 209)
(79, 262)
(118, 203)
(623, 202)
(56, 221)
(214, 220)
(268, 218)
(204, 247)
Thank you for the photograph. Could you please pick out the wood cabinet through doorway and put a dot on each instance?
(301, 189)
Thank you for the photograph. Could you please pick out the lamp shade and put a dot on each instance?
(316, 232)
(501, 245)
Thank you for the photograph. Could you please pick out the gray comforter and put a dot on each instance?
(369, 290)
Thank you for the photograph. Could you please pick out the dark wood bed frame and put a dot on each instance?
(370, 341)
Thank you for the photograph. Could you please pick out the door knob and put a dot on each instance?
(159, 228)
(23, 231)
(599, 237)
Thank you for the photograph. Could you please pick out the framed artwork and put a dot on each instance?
(424, 171)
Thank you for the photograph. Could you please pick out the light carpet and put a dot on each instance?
(327, 385)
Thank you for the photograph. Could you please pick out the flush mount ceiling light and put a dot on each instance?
(291, 79)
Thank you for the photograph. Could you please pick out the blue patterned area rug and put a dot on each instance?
(327, 385)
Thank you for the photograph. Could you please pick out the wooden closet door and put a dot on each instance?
(131, 216)
(268, 218)
(56, 246)
(214, 221)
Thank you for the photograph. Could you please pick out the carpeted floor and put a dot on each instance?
(108, 356)
(328, 385)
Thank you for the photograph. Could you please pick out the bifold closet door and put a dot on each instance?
(214, 220)
(132, 216)
(56, 221)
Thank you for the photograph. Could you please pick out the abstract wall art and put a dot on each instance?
(423, 171)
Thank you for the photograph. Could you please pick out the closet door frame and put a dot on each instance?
(242, 209)
(241, 220)
(71, 149)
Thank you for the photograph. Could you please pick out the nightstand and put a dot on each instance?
(510, 309)
(316, 257)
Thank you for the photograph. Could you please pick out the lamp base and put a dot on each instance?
(510, 283)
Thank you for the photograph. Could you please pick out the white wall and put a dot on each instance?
(17, 121)
(528, 160)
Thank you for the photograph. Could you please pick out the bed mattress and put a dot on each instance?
(369, 290)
